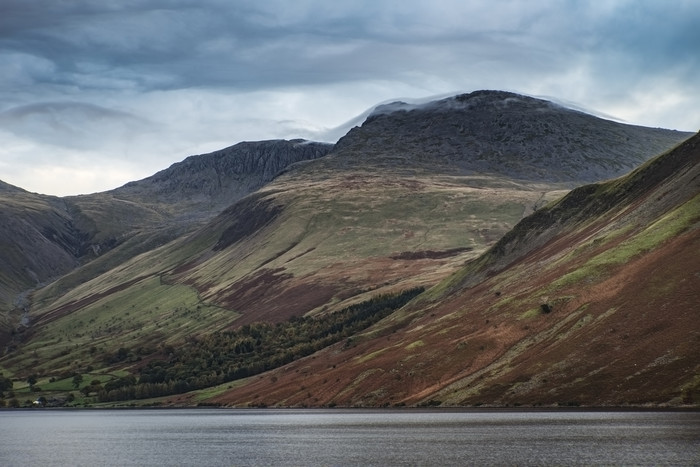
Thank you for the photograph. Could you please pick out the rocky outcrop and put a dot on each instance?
(222, 177)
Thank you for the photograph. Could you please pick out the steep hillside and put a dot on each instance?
(592, 300)
(43, 238)
(38, 241)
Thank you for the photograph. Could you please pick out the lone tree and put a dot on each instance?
(77, 379)
(5, 383)
(31, 380)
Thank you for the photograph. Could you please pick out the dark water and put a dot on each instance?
(346, 437)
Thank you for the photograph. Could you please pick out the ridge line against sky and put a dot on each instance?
(96, 94)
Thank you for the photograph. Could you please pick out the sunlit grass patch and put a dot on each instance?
(415, 345)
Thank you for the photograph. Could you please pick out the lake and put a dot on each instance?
(241, 437)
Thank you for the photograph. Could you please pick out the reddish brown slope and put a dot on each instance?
(617, 266)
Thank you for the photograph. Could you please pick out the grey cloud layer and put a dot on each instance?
(174, 75)
(163, 45)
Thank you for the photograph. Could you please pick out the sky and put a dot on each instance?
(94, 94)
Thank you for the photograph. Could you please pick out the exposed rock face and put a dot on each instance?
(504, 133)
(222, 177)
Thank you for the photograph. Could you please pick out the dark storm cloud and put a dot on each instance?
(156, 80)
(157, 44)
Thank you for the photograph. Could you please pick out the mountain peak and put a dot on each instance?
(503, 133)
(466, 101)
(219, 178)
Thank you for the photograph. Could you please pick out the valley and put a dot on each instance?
(548, 274)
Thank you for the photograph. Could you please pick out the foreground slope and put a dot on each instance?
(591, 300)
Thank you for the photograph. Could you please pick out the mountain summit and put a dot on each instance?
(506, 134)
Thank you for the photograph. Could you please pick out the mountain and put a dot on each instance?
(495, 132)
(206, 184)
(591, 300)
(319, 253)
(43, 237)
(399, 202)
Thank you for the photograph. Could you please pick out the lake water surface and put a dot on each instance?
(240, 437)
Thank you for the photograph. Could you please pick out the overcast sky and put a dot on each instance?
(94, 94)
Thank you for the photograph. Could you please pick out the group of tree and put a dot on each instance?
(7, 396)
(252, 349)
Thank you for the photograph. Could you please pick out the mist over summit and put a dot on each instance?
(507, 134)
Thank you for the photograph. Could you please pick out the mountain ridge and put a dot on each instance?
(391, 208)
(217, 179)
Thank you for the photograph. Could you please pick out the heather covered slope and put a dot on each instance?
(592, 300)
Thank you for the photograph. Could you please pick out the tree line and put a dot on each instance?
(252, 349)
